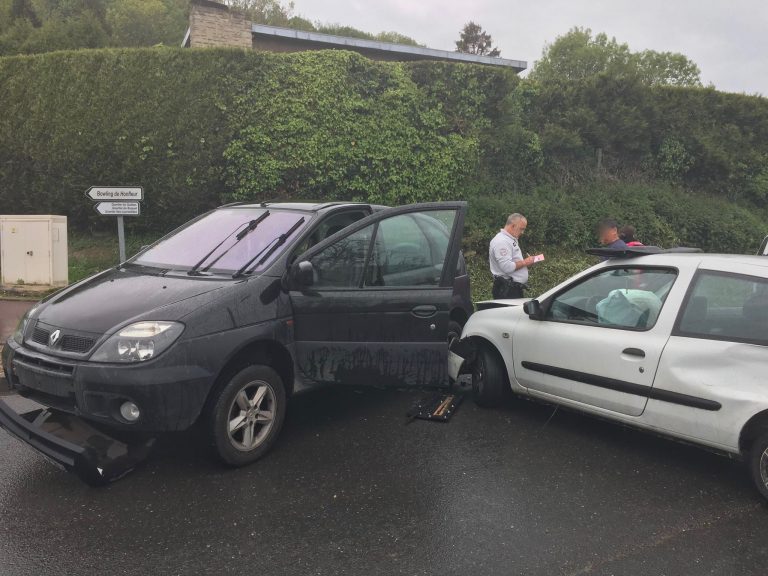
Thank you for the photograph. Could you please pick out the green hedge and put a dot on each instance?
(198, 128)
(663, 214)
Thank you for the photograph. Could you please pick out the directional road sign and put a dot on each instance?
(118, 208)
(115, 193)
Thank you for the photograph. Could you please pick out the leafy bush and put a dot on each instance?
(360, 130)
(200, 127)
(663, 214)
(197, 128)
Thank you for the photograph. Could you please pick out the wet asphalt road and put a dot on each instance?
(350, 488)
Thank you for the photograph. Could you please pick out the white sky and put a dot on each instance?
(728, 39)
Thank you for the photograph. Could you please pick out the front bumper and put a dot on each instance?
(461, 354)
(170, 390)
(73, 445)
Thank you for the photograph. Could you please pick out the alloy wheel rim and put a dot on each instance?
(764, 467)
(251, 416)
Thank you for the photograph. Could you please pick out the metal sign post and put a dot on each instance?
(117, 201)
(121, 237)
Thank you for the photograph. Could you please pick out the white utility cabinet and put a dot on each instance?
(33, 250)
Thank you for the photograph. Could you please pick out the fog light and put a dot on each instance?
(129, 411)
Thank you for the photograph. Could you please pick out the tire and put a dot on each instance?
(253, 404)
(454, 331)
(758, 463)
(489, 378)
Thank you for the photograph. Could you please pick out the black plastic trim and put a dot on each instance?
(626, 387)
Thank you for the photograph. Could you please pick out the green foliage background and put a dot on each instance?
(198, 128)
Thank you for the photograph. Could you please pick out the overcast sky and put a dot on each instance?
(728, 39)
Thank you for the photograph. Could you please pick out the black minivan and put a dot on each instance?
(227, 316)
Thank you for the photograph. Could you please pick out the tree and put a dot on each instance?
(271, 12)
(475, 40)
(667, 68)
(23, 9)
(136, 22)
(578, 55)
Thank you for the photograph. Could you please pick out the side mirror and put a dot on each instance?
(533, 309)
(302, 275)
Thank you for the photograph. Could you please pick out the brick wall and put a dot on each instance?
(213, 24)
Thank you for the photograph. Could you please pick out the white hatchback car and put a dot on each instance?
(672, 342)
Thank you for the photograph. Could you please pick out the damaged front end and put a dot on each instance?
(461, 355)
(72, 444)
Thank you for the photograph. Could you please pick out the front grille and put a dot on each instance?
(79, 344)
(33, 362)
(40, 335)
(66, 402)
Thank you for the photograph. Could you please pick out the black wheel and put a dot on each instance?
(489, 378)
(758, 463)
(248, 414)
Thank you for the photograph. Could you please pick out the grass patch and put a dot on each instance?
(92, 253)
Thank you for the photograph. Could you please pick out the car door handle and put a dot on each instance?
(634, 352)
(425, 311)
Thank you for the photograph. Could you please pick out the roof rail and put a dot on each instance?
(234, 204)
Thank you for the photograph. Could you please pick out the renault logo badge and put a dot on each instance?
(54, 338)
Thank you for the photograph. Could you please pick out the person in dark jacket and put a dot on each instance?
(608, 233)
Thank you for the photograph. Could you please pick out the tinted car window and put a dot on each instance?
(328, 227)
(726, 307)
(630, 298)
(410, 249)
(341, 264)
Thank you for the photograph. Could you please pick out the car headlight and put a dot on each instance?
(138, 342)
(18, 334)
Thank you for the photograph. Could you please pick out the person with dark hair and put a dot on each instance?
(608, 234)
(627, 233)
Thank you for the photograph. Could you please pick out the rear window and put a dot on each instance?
(725, 306)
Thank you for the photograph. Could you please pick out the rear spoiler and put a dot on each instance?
(636, 251)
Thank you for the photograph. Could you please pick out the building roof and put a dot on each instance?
(405, 51)
(218, 20)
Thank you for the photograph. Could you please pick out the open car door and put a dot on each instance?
(372, 303)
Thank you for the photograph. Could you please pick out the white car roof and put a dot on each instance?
(722, 262)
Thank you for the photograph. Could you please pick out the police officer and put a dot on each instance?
(509, 268)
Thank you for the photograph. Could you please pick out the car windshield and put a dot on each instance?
(224, 241)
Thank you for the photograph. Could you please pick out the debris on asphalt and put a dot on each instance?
(436, 407)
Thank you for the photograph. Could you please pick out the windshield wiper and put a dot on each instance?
(240, 235)
(268, 250)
